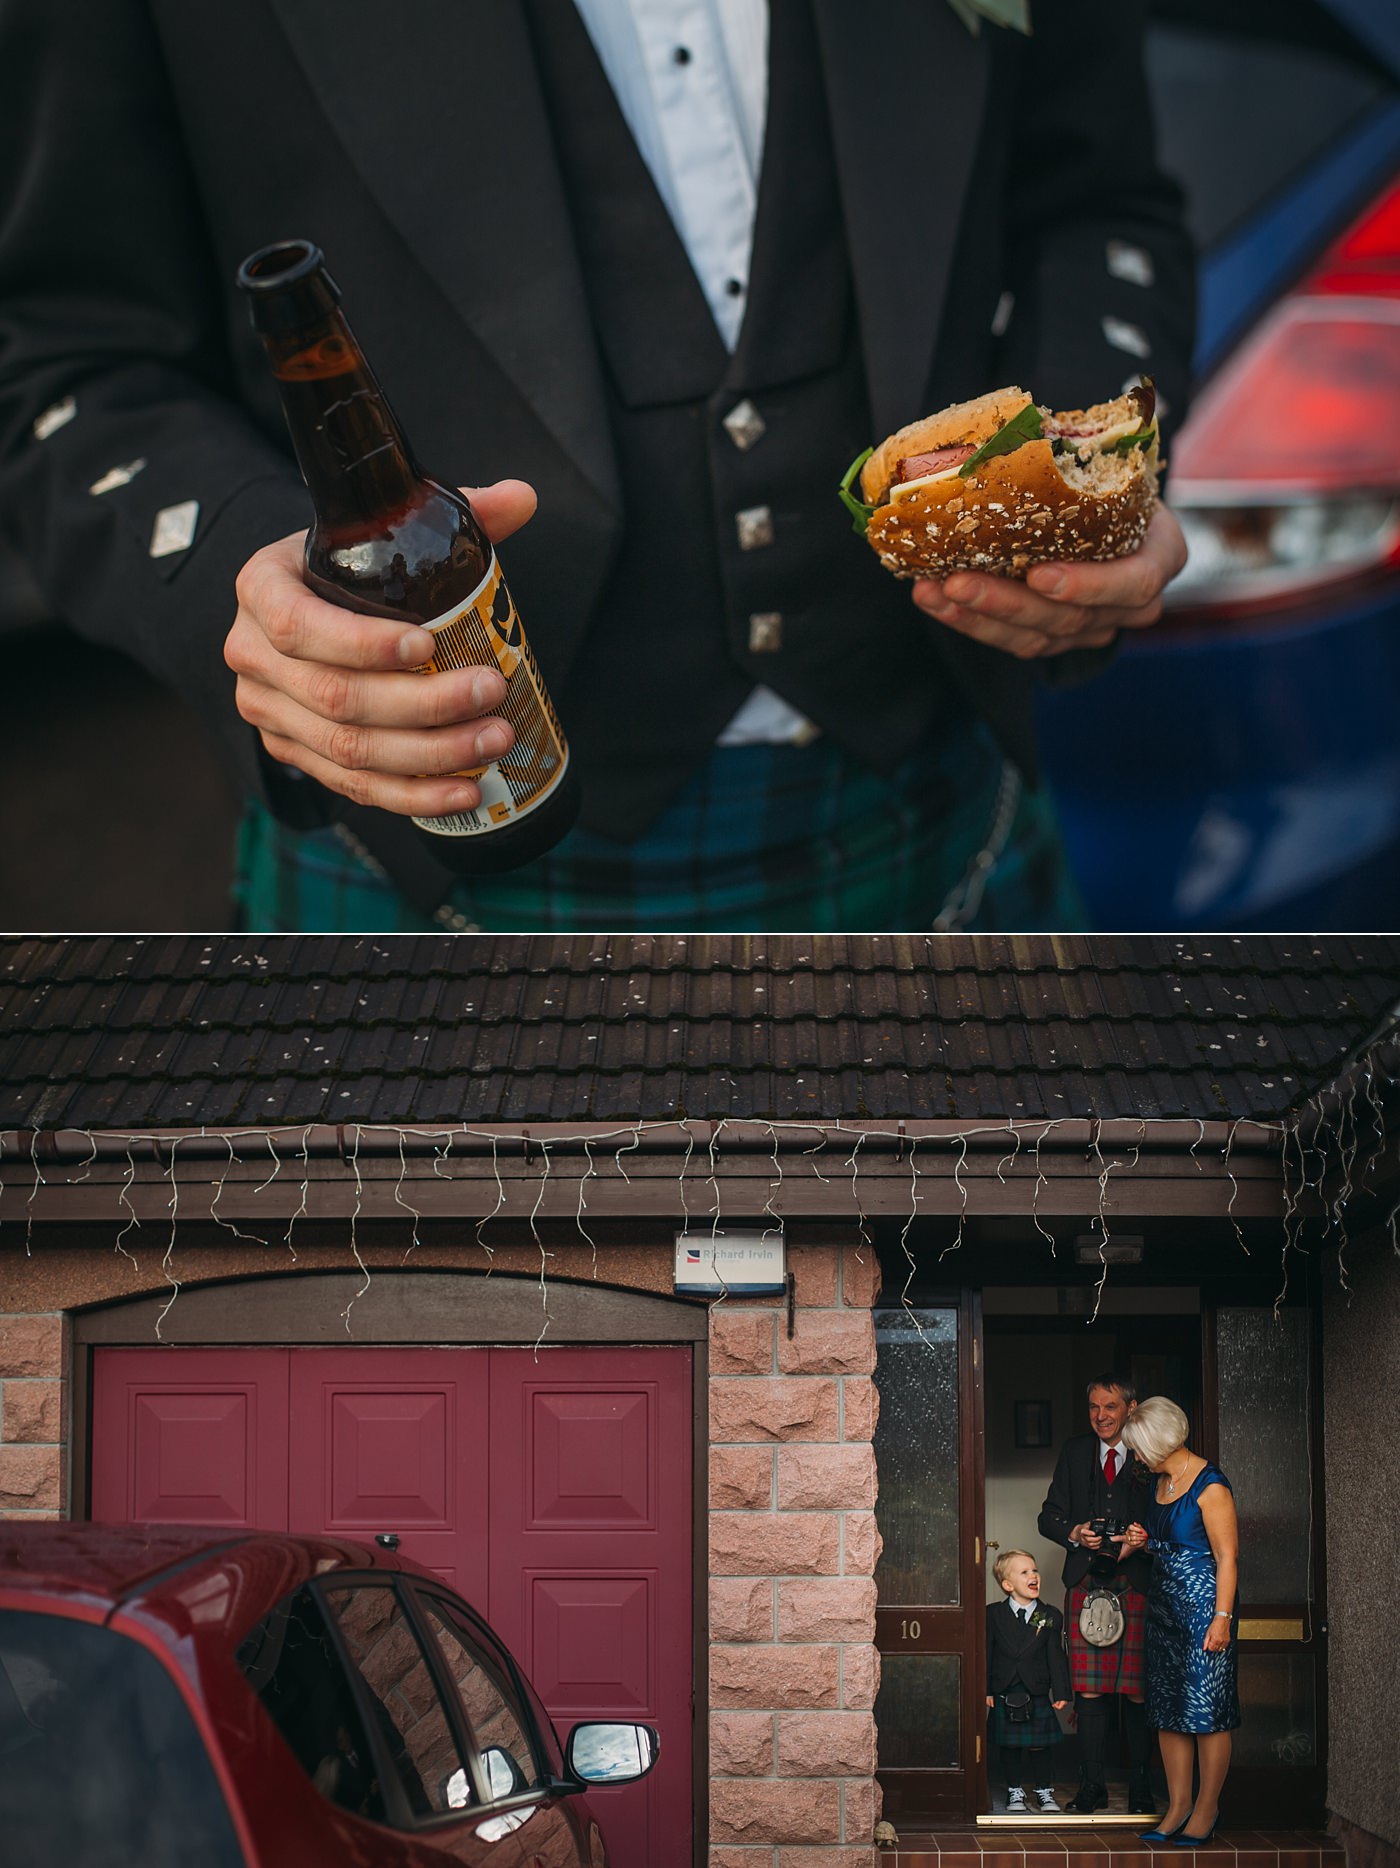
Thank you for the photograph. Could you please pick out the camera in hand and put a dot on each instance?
(1107, 1560)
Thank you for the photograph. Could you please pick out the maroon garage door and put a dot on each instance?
(553, 1491)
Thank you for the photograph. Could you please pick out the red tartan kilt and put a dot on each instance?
(1116, 1669)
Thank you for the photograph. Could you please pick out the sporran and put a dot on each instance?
(1101, 1618)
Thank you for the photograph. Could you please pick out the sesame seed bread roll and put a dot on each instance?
(1069, 495)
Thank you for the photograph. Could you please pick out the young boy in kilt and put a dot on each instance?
(1096, 1479)
(1024, 1658)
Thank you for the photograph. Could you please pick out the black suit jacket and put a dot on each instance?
(147, 145)
(1078, 1493)
(1017, 1657)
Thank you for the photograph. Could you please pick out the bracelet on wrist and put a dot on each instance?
(1222, 1612)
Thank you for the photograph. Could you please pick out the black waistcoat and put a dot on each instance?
(1126, 1499)
(673, 648)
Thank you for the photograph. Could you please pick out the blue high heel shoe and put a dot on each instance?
(1182, 1841)
(1164, 1835)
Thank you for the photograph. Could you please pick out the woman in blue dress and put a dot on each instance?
(1192, 1696)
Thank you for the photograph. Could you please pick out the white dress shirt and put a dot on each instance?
(691, 78)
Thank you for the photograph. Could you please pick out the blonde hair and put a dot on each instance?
(1155, 1428)
(1003, 1563)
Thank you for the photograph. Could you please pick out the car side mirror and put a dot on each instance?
(599, 1753)
(503, 1777)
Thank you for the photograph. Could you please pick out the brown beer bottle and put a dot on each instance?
(388, 541)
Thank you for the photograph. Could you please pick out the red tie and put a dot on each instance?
(1110, 1465)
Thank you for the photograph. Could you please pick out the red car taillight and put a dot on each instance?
(1286, 478)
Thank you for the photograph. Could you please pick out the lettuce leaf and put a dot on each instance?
(1024, 426)
(859, 511)
(1141, 437)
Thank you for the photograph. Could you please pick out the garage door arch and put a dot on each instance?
(590, 1428)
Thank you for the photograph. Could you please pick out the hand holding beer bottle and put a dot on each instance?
(326, 632)
(324, 687)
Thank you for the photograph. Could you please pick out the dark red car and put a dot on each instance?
(172, 1696)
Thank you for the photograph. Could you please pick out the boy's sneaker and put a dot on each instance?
(1016, 1804)
(1045, 1799)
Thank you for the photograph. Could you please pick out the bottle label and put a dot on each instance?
(485, 631)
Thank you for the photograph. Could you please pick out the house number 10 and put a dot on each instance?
(910, 1631)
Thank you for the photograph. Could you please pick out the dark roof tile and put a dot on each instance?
(121, 1032)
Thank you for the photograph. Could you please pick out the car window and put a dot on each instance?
(100, 1761)
(488, 1696)
(1240, 114)
(291, 1663)
(412, 1720)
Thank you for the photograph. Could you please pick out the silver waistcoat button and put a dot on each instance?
(174, 528)
(755, 527)
(744, 425)
(765, 632)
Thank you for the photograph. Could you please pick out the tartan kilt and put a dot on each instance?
(762, 839)
(1042, 1728)
(1116, 1669)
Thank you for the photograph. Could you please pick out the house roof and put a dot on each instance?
(177, 1032)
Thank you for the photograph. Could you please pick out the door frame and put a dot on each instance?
(1184, 1325)
(1270, 1796)
(424, 1309)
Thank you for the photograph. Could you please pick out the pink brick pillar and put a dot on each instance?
(793, 1544)
(33, 1416)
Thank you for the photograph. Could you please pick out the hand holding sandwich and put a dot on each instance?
(1032, 531)
(1060, 607)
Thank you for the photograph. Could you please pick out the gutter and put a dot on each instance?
(297, 1142)
(670, 1172)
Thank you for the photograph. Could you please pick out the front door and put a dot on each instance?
(1037, 1366)
(553, 1491)
(929, 1623)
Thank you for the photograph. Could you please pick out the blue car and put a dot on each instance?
(1239, 765)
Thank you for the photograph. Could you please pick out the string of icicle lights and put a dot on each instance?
(1337, 1125)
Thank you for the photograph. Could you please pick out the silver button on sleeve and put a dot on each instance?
(765, 632)
(174, 528)
(56, 416)
(117, 476)
(1133, 263)
(1125, 336)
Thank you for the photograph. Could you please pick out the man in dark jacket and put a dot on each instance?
(771, 733)
(1096, 1482)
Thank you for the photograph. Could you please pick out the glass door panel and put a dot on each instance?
(1266, 1446)
(1278, 1708)
(1267, 1435)
(929, 1636)
(918, 1712)
(916, 1455)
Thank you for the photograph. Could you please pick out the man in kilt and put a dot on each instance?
(1027, 1680)
(1096, 1479)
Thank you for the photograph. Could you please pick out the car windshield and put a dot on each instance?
(100, 1762)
